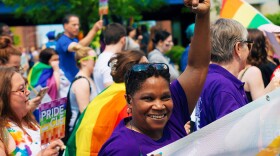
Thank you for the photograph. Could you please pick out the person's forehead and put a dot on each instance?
(73, 19)
(6, 28)
(54, 56)
(17, 80)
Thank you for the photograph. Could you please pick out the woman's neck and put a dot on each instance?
(159, 48)
(155, 135)
(84, 72)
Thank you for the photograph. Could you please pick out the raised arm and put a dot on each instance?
(86, 40)
(89, 37)
(193, 78)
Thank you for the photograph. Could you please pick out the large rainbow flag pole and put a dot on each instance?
(243, 12)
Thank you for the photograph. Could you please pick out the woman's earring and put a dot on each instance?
(128, 110)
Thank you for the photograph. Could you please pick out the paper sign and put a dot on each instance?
(103, 7)
(52, 120)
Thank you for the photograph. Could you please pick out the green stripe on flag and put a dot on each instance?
(71, 143)
(257, 21)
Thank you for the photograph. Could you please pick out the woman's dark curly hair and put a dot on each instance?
(258, 53)
(135, 79)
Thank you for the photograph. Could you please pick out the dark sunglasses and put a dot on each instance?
(137, 68)
(249, 44)
(144, 67)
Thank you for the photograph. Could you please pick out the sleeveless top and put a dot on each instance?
(74, 104)
(27, 143)
(248, 93)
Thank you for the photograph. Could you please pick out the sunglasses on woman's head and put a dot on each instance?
(137, 68)
(87, 58)
(145, 66)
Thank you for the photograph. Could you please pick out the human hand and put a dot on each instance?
(34, 103)
(187, 127)
(55, 65)
(198, 6)
(98, 25)
(53, 148)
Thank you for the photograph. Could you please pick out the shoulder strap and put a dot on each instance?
(78, 77)
(244, 73)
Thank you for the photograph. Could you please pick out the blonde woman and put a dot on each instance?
(82, 89)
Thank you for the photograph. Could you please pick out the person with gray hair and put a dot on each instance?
(223, 92)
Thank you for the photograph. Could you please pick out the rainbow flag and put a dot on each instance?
(103, 7)
(243, 12)
(98, 121)
(42, 75)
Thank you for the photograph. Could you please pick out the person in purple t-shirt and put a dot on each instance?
(159, 110)
(68, 40)
(223, 92)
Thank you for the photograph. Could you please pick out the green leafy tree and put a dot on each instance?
(274, 18)
(48, 11)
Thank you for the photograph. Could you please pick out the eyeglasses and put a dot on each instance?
(137, 68)
(22, 91)
(87, 58)
(249, 44)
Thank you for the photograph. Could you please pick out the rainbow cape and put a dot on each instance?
(97, 122)
(42, 75)
(242, 12)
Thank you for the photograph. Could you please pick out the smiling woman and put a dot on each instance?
(159, 110)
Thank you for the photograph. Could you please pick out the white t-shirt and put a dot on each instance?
(102, 72)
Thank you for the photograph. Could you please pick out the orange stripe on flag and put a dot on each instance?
(106, 122)
(230, 7)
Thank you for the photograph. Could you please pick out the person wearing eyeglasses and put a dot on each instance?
(83, 88)
(223, 92)
(163, 43)
(159, 110)
(19, 131)
(258, 70)
(10, 56)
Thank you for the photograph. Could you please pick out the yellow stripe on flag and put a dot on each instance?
(245, 15)
(271, 150)
(93, 111)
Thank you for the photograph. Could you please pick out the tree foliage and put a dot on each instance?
(274, 18)
(49, 11)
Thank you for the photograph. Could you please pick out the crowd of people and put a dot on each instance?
(131, 91)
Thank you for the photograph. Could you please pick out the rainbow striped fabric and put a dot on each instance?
(42, 75)
(98, 121)
(242, 12)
